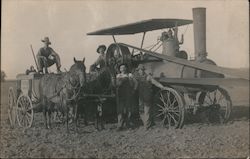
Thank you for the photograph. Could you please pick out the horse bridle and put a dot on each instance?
(75, 87)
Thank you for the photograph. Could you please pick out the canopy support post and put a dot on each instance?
(114, 38)
(143, 39)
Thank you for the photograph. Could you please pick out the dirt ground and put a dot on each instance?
(194, 140)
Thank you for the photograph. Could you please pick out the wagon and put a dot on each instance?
(24, 100)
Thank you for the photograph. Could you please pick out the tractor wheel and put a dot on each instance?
(170, 108)
(11, 107)
(24, 111)
(220, 104)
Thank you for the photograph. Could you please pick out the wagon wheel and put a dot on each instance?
(220, 104)
(11, 107)
(170, 108)
(24, 111)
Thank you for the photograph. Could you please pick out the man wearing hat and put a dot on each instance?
(46, 57)
(170, 42)
(126, 87)
(100, 60)
(145, 84)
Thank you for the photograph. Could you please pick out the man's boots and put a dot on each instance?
(46, 70)
(58, 70)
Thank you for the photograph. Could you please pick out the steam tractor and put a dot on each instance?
(191, 85)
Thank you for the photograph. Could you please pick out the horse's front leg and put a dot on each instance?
(44, 111)
(65, 109)
(67, 119)
(85, 116)
(76, 115)
(49, 114)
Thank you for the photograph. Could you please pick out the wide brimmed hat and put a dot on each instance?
(122, 64)
(141, 67)
(46, 40)
(101, 46)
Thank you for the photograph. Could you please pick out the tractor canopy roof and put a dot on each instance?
(142, 26)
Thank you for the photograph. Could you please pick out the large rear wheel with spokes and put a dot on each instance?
(170, 108)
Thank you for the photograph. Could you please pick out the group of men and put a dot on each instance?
(46, 56)
(130, 87)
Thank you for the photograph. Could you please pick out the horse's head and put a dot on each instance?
(78, 72)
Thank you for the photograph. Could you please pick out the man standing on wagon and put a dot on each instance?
(46, 57)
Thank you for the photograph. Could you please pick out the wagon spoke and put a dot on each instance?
(175, 121)
(22, 119)
(207, 103)
(25, 121)
(160, 114)
(28, 121)
(174, 109)
(160, 106)
(29, 118)
(172, 104)
(163, 120)
(168, 98)
(209, 97)
(29, 115)
(29, 109)
(220, 98)
(169, 121)
(176, 112)
(162, 99)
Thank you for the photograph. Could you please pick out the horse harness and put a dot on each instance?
(67, 85)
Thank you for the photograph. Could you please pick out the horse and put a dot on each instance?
(62, 90)
(98, 83)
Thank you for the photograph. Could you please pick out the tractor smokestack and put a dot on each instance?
(199, 22)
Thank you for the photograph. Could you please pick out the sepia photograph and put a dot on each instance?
(124, 79)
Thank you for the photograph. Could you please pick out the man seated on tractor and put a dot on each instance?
(101, 60)
(46, 57)
(171, 42)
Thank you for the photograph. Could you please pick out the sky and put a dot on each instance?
(66, 23)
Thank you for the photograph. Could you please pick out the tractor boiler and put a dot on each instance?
(173, 70)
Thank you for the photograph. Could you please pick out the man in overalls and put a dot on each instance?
(46, 57)
(145, 84)
(126, 87)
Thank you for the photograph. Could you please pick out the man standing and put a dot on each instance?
(145, 84)
(46, 57)
(100, 60)
(126, 87)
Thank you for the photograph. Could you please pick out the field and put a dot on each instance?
(194, 140)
